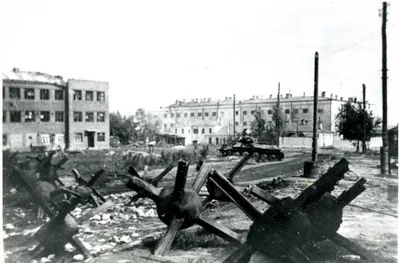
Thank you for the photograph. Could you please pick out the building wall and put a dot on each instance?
(84, 127)
(298, 115)
(23, 135)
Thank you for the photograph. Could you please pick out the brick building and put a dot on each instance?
(207, 121)
(44, 111)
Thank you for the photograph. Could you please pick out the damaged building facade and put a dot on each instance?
(44, 112)
(212, 122)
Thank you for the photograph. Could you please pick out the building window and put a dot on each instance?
(199, 114)
(302, 122)
(178, 115)
(171, 125)
(101, 136)
(77, 95)
(45, 116)
(245, 123)
(172, 115)
(89, 117)
(15, 93)
(183, 131)
(59, 116)
(269, 112)
(4, 116)
(44, 94)
(237, 112)
(306, 122)
(245, 112)
(296, 110)
(210, 130)
(287, 111)
(209, 140)
(305, 110)
(165, 115)
(30, 116)
(237, 123)
(252, 112)
(214, 114)
(165, 126)
(101, 117)
(15, 116)
(58, 95)
(206, 114)
(4, 92)
(176, 131)
(195, 131)
(185, 114)
(216, 141)
(89, 95)
(78, 137)
(320, 110)
(29, 94)
(203, 131)
(4, 139)
(192, 114)
(77, 116)
(101, 96)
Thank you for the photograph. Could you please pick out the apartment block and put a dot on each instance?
(41, 111)
(213, 122)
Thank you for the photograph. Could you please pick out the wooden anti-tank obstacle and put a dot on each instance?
(180, 207)
(289, 224)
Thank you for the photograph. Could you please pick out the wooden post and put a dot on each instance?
(314, 140)
(234, 116)
(385, 150)
(278, 117)
(364, 147)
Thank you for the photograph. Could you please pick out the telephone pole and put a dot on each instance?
(364, 147)
(384, 149)
(314, 139)
(234, 122)
(278, 117)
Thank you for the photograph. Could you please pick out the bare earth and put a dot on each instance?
(127, 233)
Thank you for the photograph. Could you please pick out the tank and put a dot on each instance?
(261, 152)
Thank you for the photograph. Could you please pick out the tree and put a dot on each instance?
(148, 125)
(123, 127)
(260, 130)
(350, 123)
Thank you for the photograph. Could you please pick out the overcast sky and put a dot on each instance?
(154, 52)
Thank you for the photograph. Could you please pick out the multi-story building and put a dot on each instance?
(212, 122)
(41, 110)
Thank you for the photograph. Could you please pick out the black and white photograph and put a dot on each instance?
(200, 131)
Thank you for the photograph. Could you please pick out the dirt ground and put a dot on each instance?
(127, 233)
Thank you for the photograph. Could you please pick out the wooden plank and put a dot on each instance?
(218, 229)
(162, 174)
(353, 247)
(180, 181)
(349, 195)
(165, 243)
(202, 177)
(263, 195)
(297, 256)
(237, 167)
(234, 195)
(95, 177)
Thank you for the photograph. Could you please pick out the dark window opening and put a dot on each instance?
(45, 116)
(44, 94)
(29, 94)
(287, 111)
(101, 136)
(30, 116)
(214, 114)
(89, 117)
(58, 95)
(77, 95)
(77, 116)
(89, 95)
(101, 117)
(15, 93)
(245, 112)
(59, 116)
(305, 110)
(101, 96)
(269, 112)
(15, 116)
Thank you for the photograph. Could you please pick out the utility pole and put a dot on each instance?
(384, 149)
(314, 140)
(278, 117)
(364, 147)
(234, 121)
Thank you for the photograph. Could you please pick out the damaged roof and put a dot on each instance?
(17, 75)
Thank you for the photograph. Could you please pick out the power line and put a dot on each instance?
(350, 45)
